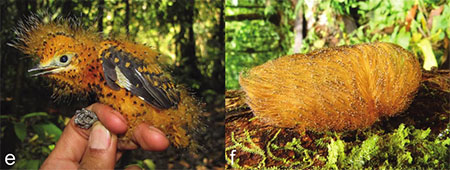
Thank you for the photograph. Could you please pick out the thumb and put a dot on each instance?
(101, 149)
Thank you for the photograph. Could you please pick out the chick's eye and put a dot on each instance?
(63, 59)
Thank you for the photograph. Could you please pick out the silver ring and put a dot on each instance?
(85, 118)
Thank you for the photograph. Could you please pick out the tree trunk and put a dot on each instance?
(298, 30)
(22, 10)
(188, 57)
(217, 73)
(127, 16)
(101, 6)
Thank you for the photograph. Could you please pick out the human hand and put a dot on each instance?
(98, 146)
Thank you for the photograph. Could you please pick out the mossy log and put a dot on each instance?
(253, 139)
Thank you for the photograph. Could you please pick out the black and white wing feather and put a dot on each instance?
(121, 70)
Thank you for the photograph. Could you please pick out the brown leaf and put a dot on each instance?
(184, 164)
(410, 16)
(434, 12)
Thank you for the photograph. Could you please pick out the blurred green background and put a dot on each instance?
(189, 35)
(260, 30)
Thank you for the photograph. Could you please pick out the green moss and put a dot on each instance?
(404, 147)
(335, 153)
(247, 145)
(305, 159)
(358, 157)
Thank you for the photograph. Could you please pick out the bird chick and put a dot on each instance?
(119, 73)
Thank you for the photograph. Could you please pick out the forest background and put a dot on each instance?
(260, 30)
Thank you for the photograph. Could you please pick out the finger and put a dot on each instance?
(110, 118)
(69, 149)
(71, 145)
(150, 138)
(101, 150)
(126, 145)
(133, 167)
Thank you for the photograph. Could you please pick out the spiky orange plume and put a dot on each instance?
(341, 88)
(120, 73)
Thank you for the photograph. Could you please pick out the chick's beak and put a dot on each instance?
(42, 70)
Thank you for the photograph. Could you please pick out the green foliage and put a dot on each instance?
(43, 130)
(20, 130)
(144, 164)
(48, 129)
(37, 135)
(27, 164)
(332, 23)
(253, 42)
(236, 56)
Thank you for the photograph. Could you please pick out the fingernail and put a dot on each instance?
(100, 138)
(156, 130)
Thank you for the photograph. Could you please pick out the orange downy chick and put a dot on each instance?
(340, 88)
(122, 74)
